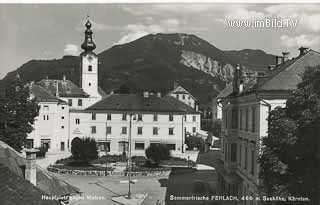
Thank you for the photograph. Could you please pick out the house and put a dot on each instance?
(23, 182)
(146, 119)
(244, 121)
(183, 95)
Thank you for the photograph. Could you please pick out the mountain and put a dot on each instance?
(153, 63)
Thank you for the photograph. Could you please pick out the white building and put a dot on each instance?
(244, 123)
(183, 95)
(68, 111)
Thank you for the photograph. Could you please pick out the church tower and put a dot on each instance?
(89, 64)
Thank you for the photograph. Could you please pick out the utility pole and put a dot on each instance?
(129, 157)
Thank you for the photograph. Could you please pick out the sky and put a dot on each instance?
(50, 31)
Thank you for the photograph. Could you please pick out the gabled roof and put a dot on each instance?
(134, 102)
(66, 88)
(288, 75)
(15, 190)
(225, 92)
(180, 105)
(181, 90)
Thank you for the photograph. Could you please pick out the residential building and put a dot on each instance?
(183, 95)
(244, 122)
(147, 119)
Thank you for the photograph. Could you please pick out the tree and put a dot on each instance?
(290, 153)
(17, 114)
(84, 150)
(156, 153)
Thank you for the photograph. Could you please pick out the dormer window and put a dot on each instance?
(90, 68)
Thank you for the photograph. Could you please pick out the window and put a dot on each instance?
(194, 129)
(177, 96)
(171, 146)
(155, 130)
(108, 129)
(62, 107)
(252, 162)
(70, 102)
(124, 130)
(185, 118)
(62, 117)
(225, 151)
(45, 143)
(77, 121)
(183, 97)
(108, 116)
(93, 116)
(90, 68)
(139, 130)
(104, 146)
(155, 117)
(89, 84)
(29, 143)
(234, 118)
(189, 97)
(233, 152)
(80, 102)
(139, 117)
(46, 107)
(194, 118)
(124, 117)
(253, 119)
(93, 129)
(171, 131)
(139, 146)
(47, 117)
(62, 127)
(247, 119)
(170, 117)
(246, 158)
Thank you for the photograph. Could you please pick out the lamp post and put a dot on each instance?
(129, 156)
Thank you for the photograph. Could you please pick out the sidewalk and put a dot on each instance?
(51, 158)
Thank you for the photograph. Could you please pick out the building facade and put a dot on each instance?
(244, 123)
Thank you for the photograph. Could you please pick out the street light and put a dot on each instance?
(129, 156)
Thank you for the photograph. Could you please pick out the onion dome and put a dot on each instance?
(88, 44)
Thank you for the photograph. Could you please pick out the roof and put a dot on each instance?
(15, 190)
(181, 90)
(180, 105)
(66, 88)
(283, 78)
(53, 186)
(288, 75)
(41, 94)
(134, 102)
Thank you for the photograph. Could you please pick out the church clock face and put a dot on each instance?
(90, 58)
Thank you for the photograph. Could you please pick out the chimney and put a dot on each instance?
(197, 107)
(31, 169)
(278, 60)
(146, 94)
(303, 50)
(285, 57)
(64, 78)
(237, 80)
(159, 94)
(175, 85)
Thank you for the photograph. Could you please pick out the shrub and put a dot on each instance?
(84, 150)
(156, 153)
(195, 142)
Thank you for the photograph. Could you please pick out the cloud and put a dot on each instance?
(310, 40)
(243, 13)
(71, 50)
(131, 37)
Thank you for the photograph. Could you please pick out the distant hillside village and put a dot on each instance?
(68, 111)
